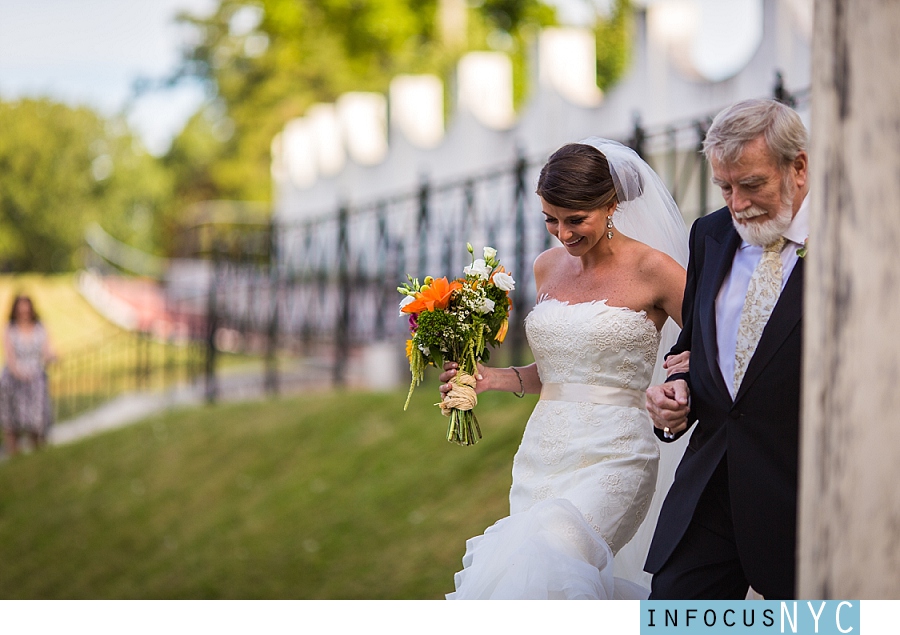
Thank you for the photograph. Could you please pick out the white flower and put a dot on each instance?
(478, 268)
(406, 300)
(504, 281)
(486, 305)
(490, 253)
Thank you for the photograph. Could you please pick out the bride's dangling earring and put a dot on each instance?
(609, 227)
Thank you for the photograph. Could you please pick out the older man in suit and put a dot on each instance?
(729, 520)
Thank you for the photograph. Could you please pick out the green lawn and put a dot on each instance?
(331, 495)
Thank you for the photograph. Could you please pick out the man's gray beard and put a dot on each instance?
(762, 234)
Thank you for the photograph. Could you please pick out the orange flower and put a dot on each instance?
(433, 296)
(501, 333)
(409, 349)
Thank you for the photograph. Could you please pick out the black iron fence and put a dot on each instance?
(125, 362)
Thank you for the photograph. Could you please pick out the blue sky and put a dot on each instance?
(91, 51)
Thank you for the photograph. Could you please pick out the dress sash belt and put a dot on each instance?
(589, 393)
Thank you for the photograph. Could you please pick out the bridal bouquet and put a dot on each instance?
(455, 321)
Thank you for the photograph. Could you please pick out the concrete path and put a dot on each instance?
(123, 410)
(238, 384)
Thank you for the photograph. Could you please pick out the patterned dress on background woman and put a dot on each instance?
(25, 403)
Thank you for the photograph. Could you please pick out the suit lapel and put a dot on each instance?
(785, 316)
(720, 255)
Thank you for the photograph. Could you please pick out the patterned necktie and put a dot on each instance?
(762, 294)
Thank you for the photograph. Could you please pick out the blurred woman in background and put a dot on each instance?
(24, 398)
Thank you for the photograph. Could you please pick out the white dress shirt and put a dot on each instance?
(730, 301)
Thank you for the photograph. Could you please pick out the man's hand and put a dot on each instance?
(677, 363)
(668, 406)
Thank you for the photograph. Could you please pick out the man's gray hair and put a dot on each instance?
(741, 123)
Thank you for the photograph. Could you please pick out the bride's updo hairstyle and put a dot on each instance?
(577, 177)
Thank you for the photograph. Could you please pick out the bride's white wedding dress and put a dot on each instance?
(586, 469)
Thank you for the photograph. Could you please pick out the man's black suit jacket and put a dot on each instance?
(758, 430)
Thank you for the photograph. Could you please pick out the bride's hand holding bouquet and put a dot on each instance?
(456, 321)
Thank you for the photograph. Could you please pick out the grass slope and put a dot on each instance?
(339, 495)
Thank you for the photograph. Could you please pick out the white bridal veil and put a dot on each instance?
(647, 213)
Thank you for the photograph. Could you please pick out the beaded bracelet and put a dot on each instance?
(521, 392)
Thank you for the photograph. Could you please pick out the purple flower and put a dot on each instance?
(413, 323)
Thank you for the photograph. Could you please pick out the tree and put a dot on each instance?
(613, 44)
(62, 168)
(266, 63)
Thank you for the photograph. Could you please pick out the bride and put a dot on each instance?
(585, 473)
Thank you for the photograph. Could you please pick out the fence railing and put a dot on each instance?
(122, 363)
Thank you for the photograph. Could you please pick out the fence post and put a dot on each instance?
(517, 325)
(672, 140)
(422, 228)
(145, 358)
(638, 136)
(271, 378)
(342, 327)
(780, 93)
(141, 361)
(384, 280)
(314, 284)
(211, 325)
(703, 184)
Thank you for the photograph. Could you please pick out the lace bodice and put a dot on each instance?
(592, 343)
